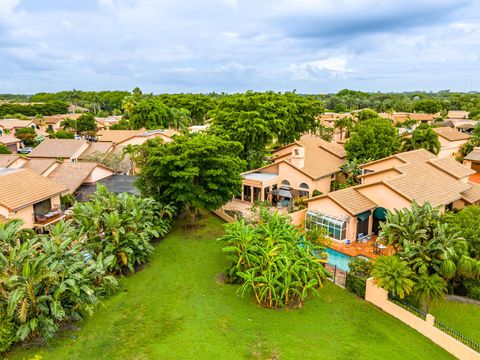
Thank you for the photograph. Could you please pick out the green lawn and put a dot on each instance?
(176, 309)
(464, 318)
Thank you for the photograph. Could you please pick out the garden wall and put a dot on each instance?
(379, 297)
(298, 217)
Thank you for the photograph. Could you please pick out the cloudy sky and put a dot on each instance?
(235, 45)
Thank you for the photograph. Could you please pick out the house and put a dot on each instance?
(9, 126)
(472, 161)
(53, 122)
(329, 119)
(450, 140)
(65, 149)
(96, 148)
(107, 122)
(12, 161)
(10, 142)
(29, 196)
(123, 138)
(388, 184)
(298, 169)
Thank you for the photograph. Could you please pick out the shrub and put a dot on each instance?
(316, 193)
(62, 134)
(8, 335)
(4, 149)
(356, 284)
(473, 288)
(273, 261)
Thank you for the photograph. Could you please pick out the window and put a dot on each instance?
(265, 193)
(304, 190)
(449, 207)
(285, 183)
(335, 228)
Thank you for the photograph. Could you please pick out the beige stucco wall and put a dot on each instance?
(18, 163)
(26, 214)
(285, 151)
(449, 148)
(97, 174)
(379, 297)
(384, 197)
(384, 164)
(298, 217)
(378, 176)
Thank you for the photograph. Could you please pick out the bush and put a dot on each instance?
(356, 284)
(62, 134)
(316, 193)
(8, 334)
(473, 289)
(4, 149)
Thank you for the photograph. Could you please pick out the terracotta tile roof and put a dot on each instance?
(14, 123)
(451, 134)
(414, 156)
(7, 159)
(472, 195)
(53, 119)
(420, 117)
(352, 201)
(57, 148)
(72, 174)
(452, 167)
(39, 165)
(322, 158)
(474, 155)
(457, 114)
(9, 139)
(424, 182)
(102, 146)
(23, 187)
(118, 136)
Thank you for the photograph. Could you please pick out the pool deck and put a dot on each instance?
(360, 248)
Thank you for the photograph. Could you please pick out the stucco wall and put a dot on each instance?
(97, 174)
(298, 217)
(26, 214)
(449, 148)
(384, 197)
(379, 297)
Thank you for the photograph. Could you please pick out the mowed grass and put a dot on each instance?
(176, 308)
(464, 318)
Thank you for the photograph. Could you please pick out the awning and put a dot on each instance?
(283, 193)
(364, 215)
(380, 214)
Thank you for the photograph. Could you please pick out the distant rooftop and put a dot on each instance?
(260, 176)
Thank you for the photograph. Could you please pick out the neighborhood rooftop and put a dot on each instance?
(57, 148)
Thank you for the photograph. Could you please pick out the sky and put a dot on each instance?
(312, 46)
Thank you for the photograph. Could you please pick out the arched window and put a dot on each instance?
(304, 190)
(285, 182)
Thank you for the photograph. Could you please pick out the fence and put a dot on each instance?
(449, 339)
(339, 277)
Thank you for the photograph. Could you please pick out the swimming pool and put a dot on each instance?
(339, 259)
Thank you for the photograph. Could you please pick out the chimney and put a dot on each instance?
(298, 157)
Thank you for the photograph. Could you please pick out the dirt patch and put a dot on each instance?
(221, 278)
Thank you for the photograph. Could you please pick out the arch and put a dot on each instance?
(286, 182)
(304, 186)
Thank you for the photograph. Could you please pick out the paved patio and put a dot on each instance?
(360, 248)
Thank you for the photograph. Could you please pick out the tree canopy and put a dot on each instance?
(86, 123)
(423, 137)
(258, 119)
(372, 139)
(196, 171)
(150, 114)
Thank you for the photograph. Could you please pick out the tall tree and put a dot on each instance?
(150, 114)
(423, 137)
(372, 139)
(195, 171)
(86, 123)
(394, 275)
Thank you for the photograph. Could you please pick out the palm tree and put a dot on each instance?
(180, 118)
(342, 124)
(74, 96)
(422, 138)
(394, 275)
(429, 288)
(351, 170)
(69, 124)
(132, 152)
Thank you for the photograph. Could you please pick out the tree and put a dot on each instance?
(74, 96)
(180, 118)
(372, 139)
(27, 135)
(69, 124)
(112, 160)
(342, 124)
(467, 222)
(273, 260)
(428, 106)
(150, 114)
(132, 152)
(4, 149)
(429, 288)
(86, 123)
(422, 137)
(130, 101)
(196, 171)
(394, 275)
(351, 170)
(62, 134)
(366, 114)
(258, 119)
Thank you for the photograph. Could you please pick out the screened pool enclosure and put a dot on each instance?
(335, 228)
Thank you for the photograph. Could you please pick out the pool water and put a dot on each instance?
(336, 258)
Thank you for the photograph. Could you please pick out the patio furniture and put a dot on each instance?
(381, 247)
